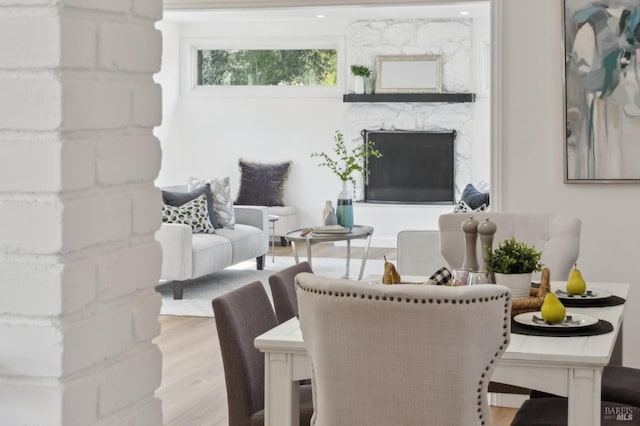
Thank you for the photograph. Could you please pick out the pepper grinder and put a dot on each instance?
(470, 228)
(486, 230)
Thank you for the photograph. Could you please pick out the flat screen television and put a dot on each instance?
(416, 167)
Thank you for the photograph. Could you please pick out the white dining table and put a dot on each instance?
(567, 366)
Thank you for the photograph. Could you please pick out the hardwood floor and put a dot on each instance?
(193, 389)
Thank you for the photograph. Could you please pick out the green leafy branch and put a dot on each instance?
(360, 70)
(348, 161)
(513, 257)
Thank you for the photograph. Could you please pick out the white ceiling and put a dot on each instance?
(476, 9)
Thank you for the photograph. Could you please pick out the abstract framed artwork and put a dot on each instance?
(602, 91)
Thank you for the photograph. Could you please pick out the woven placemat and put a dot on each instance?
(593, 303)
(601, 327)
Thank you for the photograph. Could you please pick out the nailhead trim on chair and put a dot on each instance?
(505, 319)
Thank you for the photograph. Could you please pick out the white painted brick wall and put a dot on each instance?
(128, 159)
(141, 372)
(96, 104)
(148, 9)
(144, 52)
(79, 263)
(124, 270)
(100, 336)
(36, 226)
(79, 43)
(25, 2)
(77, 165)
(147, 208)
(145, 317)
(41, 289)
(147, 104)
(40, 351)
(149, 414)
(99, 219)
(19, 400)
(29, 41)
(121, 6)
(30, 104)
(60, 165)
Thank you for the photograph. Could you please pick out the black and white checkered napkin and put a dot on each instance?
(441, 277)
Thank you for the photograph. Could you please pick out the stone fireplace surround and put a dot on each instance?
(450, 38)
(453, 39)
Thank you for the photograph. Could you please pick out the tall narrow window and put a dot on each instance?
(284, 67)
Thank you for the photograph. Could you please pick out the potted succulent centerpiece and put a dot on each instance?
(512, 264)
(360, 72)
(347, 163)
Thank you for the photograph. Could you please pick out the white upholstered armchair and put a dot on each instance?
(557, 237)
(422, 252)
(401, 355)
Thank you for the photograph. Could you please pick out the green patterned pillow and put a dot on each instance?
(194, 213)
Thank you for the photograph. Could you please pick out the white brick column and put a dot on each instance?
(78, 212)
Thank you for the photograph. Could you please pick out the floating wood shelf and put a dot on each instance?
(411, 97)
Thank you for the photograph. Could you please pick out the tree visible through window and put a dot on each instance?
(290, 67)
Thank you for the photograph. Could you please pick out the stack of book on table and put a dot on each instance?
(330, 230)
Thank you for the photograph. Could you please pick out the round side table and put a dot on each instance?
(272, 221)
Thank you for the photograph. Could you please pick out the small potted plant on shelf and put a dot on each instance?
(512, 264)
(348, 161)
(360, 72)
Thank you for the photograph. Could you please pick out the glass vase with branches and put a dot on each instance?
(348, 160)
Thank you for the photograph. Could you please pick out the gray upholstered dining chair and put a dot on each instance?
(554, 411)
(401, 354)
(620, 393)
(283, 290)
(241, 315)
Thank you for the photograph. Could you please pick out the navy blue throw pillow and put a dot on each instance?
(177, 199)
(474, 198)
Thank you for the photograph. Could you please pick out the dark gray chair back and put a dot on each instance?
(283, 290)
(241, 315)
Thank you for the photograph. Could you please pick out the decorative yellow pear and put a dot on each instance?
(552, 309)
(576, 284)
(390, 276)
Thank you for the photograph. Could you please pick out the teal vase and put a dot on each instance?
(344, 210)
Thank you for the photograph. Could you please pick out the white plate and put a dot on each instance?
(591, 294)
(404, 279)
(572, 320)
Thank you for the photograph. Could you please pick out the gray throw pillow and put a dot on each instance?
(474, 198)
(177, 199)
(221, 197)
(262, 184)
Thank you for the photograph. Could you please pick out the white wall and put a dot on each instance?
(532, 156)
(204, 135)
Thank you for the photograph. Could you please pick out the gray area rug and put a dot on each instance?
(198, 293)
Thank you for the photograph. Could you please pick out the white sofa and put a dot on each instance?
(186, 256)
(422, 252)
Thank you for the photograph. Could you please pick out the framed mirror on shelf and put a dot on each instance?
(408, 74)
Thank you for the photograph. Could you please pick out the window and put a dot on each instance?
(267, 67)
